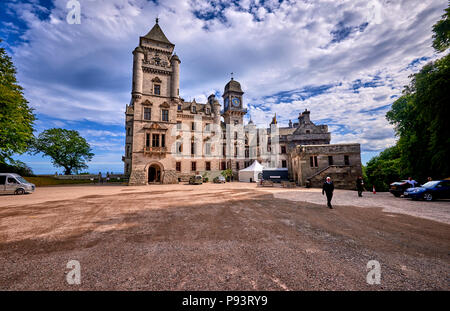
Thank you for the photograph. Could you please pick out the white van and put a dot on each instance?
(12, 183)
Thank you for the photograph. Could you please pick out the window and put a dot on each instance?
(235, 135)
(223, 166)
(179, 147)
(224, 150)
(147, 113)
(129, 131)
(283, 163)
(178, 166)
(2, 180)
(247, 152)
(178, 125)
(193, 166)
(308, 131)
(165, 115)
(163, 140)
(208, 148)
(313, 161)
(330, 160)
(155, 140)
(283, 149)
(193, 126)
(127, 168)
(128, 151)
(179, 107)
(12, 180)
(192, 148)
(346, 160)
(194, 109)
(147, 140)
(208, 111)
(208, 166)
(207, 127)
(235, 151)
(157, 89)
(237, 165)
(236, 122)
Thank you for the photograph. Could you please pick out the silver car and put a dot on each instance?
(11, 183)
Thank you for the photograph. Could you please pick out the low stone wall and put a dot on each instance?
(88, 177)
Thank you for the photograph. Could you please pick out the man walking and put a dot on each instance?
(359, 185)
(328, 188)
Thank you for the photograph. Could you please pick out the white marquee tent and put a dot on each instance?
(250, 174)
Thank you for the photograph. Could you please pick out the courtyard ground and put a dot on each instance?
(232, 236)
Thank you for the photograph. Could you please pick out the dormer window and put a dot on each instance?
(194, 109)
(179, 107)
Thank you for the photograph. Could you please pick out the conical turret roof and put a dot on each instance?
(157, 34)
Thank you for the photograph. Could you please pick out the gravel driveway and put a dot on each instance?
(218, 237)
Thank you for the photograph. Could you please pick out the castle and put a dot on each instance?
(168, 139)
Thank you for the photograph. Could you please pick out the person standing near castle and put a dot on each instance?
(328, 188)
(359, 185)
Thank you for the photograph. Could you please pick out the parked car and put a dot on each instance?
(398, 188)
(196, 180)
(11, 183)
(438, 189)
(219, 179)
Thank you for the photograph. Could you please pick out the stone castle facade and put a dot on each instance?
(169, 139)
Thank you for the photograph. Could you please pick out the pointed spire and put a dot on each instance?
(157, 34)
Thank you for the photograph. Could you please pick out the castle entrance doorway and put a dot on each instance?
(154, 174)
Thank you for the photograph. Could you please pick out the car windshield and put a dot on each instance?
(22, 180)
(430, 184)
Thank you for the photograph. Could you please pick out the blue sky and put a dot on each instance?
(346, 61)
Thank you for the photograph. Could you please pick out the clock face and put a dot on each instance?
(236, 102)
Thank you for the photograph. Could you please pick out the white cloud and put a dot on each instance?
(83, 72)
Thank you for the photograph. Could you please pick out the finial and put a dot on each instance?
(157, 20)
(232, 76)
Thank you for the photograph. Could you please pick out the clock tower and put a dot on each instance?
(233, 112)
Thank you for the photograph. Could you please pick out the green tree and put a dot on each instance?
(228, 173)
(384, 169)
(420, 117)
(66, 148)
(441, 31)
(16, 117)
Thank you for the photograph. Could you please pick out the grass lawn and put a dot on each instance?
(51, 181)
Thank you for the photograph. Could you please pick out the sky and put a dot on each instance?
(345, 61)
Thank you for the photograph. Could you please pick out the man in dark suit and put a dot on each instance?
(359, 185)
(328, 188)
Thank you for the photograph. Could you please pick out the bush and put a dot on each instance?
(17, 167)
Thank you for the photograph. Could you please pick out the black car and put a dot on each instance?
(398, 188)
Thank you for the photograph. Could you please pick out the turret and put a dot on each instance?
(215, 107)
(175, 79)
(138, 75)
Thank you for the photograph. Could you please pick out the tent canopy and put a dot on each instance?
(250, 174)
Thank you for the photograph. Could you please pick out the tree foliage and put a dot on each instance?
(16, 117)
(384, 169)
(66, 148)
(421, 120)
(441, 31)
